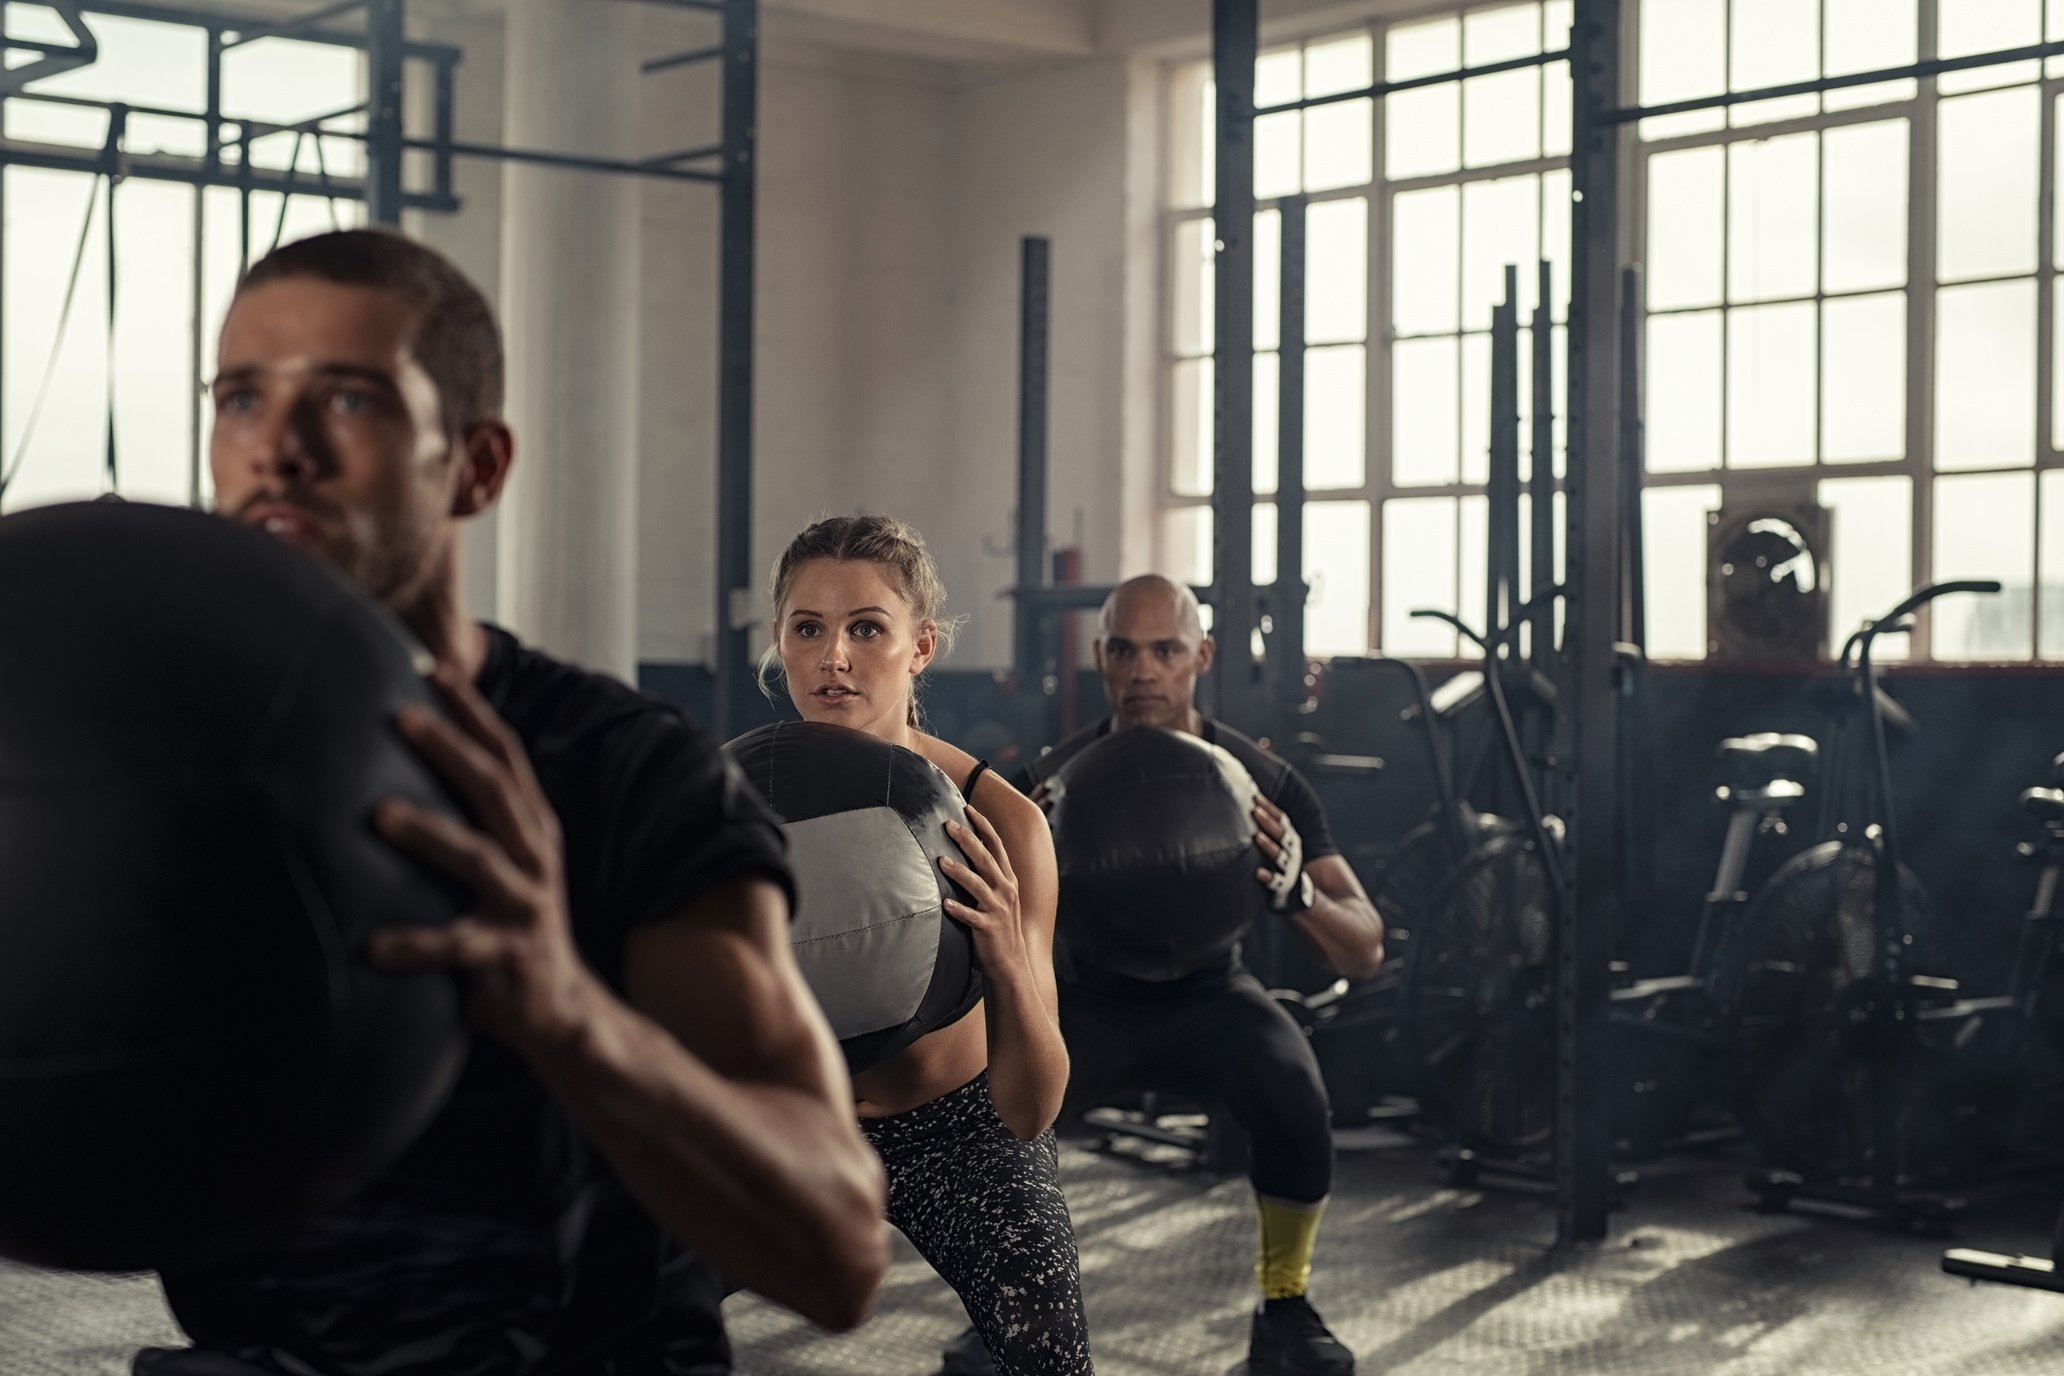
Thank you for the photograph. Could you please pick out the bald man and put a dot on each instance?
(1215, 1034)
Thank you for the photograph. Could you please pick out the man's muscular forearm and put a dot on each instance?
(718, 1097)
(770, 1183)
(1348, 932)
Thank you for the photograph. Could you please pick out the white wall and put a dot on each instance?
(851, 350)
(1045, 151)
(893, 194)
(677, 326)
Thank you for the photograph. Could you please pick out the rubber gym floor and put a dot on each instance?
(1421, 1278)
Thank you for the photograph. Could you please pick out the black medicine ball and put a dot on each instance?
(866, 824)
(195, 726)
(1154, 834)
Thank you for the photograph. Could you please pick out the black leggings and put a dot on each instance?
(986, 1211)
(1224, 1041)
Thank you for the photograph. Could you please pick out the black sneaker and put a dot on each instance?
(967, 1355)
(1291, 1340)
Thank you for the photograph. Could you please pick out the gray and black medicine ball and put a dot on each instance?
(866, 825)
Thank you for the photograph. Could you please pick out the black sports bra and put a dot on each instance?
(967, 790)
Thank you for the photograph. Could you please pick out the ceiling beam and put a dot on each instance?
(1183, 27)
(1000, 29)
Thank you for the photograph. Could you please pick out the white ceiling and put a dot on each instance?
(955, 31)
(1006, 30)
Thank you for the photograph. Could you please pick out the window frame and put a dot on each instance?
(1378, 485)
(1919, 107)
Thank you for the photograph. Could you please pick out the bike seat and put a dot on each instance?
(2046, 805)
(1756, 762)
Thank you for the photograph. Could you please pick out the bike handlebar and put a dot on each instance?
(1899, 627)
(1428, 614)
(1900, 619)
(1933, 591)
(1522, 616)
(1874, 704)
(1508, 729)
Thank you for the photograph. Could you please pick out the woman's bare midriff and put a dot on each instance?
(932, 1066)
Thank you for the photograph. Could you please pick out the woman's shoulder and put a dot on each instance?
(955, 763)
(997, 799)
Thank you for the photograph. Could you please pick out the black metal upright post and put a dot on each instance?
(1540, 572)
(198, 323)
(1286, 651)
(1583, 1158)
(1633, 463)
(444, 134)
(1501, 583)
(1034, 296)
(1637, 792)
(735, 365)
(1236, 43)
(386, 137)
(117, 142)
(244, 192)
(1541, 481)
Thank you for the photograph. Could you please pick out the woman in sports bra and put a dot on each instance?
(963, 1117)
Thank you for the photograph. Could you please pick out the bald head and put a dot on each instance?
(1150, 593)
(1150, 649)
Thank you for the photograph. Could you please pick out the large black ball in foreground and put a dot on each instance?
(196, 724)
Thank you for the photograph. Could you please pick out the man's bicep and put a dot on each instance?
(719, 976)
(1300, 803)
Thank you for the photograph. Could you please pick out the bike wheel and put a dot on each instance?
(1797, 985)
(1478, 1024)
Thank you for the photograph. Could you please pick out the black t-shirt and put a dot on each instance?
(1278, 781)
(499, 1243)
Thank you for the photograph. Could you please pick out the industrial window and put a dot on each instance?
(1850, 297)
(1414, 209)
(140, 364)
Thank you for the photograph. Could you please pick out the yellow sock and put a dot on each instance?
(1289, 1232)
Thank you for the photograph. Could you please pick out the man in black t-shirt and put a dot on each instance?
(653, 1073)
(1215, 1033)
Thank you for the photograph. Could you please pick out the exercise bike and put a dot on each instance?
(2046, 807)
(1477, 1023)
(1861, 1058)
(1476, 1027)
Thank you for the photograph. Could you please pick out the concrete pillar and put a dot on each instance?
(567, 556)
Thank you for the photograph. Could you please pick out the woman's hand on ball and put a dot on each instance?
(987, 877)
(527, 983)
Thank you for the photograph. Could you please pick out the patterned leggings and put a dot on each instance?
(986, 1211)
